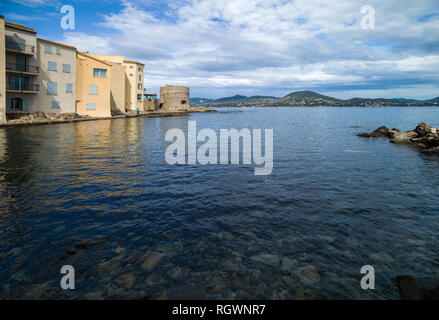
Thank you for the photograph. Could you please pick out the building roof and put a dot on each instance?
(96, 59)
(19, 27)
(135, 62)
(57, 43)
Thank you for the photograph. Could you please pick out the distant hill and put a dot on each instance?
(196, 101)
(308, 95)
(434, 100)
(234, 98)
(308, 98)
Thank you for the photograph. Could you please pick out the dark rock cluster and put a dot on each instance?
(423, 136)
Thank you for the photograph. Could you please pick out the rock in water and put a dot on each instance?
(422, 129)
(268, 259)
(126, 281)
(308, 274)
(152, 260)
(380, 132)
(401, 138)
(364, 135)
(409, 288)
(287, 265)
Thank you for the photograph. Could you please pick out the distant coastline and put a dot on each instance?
(311, 99)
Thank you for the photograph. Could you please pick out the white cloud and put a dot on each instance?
(260, 44)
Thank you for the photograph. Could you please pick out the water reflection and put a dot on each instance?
(99, 195)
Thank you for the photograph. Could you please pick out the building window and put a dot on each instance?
(131, 67)
(93, 89)
(91, 106)
(100, 73)
(51, 66)
(140, 77)
(56, 105)
(69, 88)
(139, 97)
(139, 86)
(52, 88)
(47, 48)
(58, 51)
(66, 68)
(131, 75)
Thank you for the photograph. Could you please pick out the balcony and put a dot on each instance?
(22, 68)
(23, 88)
(12, 46)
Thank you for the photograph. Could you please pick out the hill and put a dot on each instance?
(308, 98)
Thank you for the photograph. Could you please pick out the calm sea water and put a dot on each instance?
(100, 196)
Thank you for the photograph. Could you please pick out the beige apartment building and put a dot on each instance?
(22, 67)
(134, 78)
(41, 75)
(93, 86)
(135, 75)
(2, 72)
(57, 77)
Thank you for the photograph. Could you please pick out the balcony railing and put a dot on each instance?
(22, 87)
(20, 47)
(22, 67)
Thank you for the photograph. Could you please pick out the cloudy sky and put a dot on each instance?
(257, 47)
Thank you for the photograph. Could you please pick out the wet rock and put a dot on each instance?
(409, 288)
(179, 274)
(364, 135)
(154, 280)
(287, 265)
(401, 138)
(152, 261)
(268, 259)
(308, 274)
(126, 281)
(119, 250)
(232, 266)
(380, 132)
(228, 237)
(423, 136)
(109, 267)
(422, 129)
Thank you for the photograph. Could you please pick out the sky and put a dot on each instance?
(257, 47)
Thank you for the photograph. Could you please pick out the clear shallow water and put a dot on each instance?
(100, 196)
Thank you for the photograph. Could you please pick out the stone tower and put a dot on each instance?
(174, 98)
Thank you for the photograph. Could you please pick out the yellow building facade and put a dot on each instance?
(134, 79)
(93, 86)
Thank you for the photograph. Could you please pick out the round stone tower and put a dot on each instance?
(174, 98)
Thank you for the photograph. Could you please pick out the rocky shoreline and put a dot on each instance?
(424, 136)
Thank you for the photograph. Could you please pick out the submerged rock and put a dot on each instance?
(308, 274)
(268, 259)
(126, 281)
(287, 265)
(152, 261)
